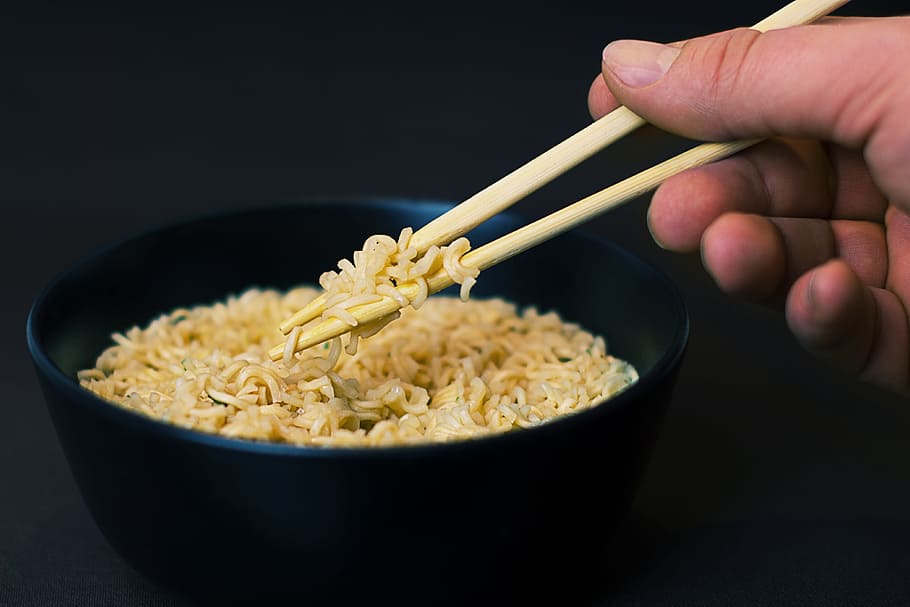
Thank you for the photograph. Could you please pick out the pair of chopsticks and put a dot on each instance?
(528, 178)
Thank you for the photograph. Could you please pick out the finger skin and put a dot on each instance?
(600, 100)
(860, 329)
(789, 182)
(802, 81)
(758, 258)
(826, 223)
(897, 225)
(780, 178)
(745, 255)
(842, 83)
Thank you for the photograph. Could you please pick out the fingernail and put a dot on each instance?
(810, 295)
(651, 231)
(637, 63)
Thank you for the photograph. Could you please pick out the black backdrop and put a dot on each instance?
(776, 480)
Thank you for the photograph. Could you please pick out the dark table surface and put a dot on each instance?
(776, 480)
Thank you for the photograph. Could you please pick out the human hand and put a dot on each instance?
(819, 212)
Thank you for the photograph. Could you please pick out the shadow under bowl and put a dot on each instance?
(498, 520)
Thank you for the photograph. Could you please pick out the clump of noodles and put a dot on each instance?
(452, 371)
(379, 268)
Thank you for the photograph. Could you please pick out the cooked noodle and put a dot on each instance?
(451, 371)
(379, 267)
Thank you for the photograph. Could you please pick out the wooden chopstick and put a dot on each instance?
(528, 236)
(567, 154)
(507, 191)
(528, 178)
(562, 157)
(587, 208)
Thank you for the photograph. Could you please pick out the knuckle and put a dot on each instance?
(725, 63)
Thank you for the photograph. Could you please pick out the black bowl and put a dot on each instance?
(495, 520)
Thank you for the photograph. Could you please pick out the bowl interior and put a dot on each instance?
(604, 288)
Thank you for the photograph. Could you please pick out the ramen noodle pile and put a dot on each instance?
(452, 370)
(377, 271)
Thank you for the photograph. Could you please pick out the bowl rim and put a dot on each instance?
(70, 387)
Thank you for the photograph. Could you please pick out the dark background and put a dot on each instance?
(776, 480)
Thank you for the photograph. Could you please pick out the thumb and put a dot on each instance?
(831, 81)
